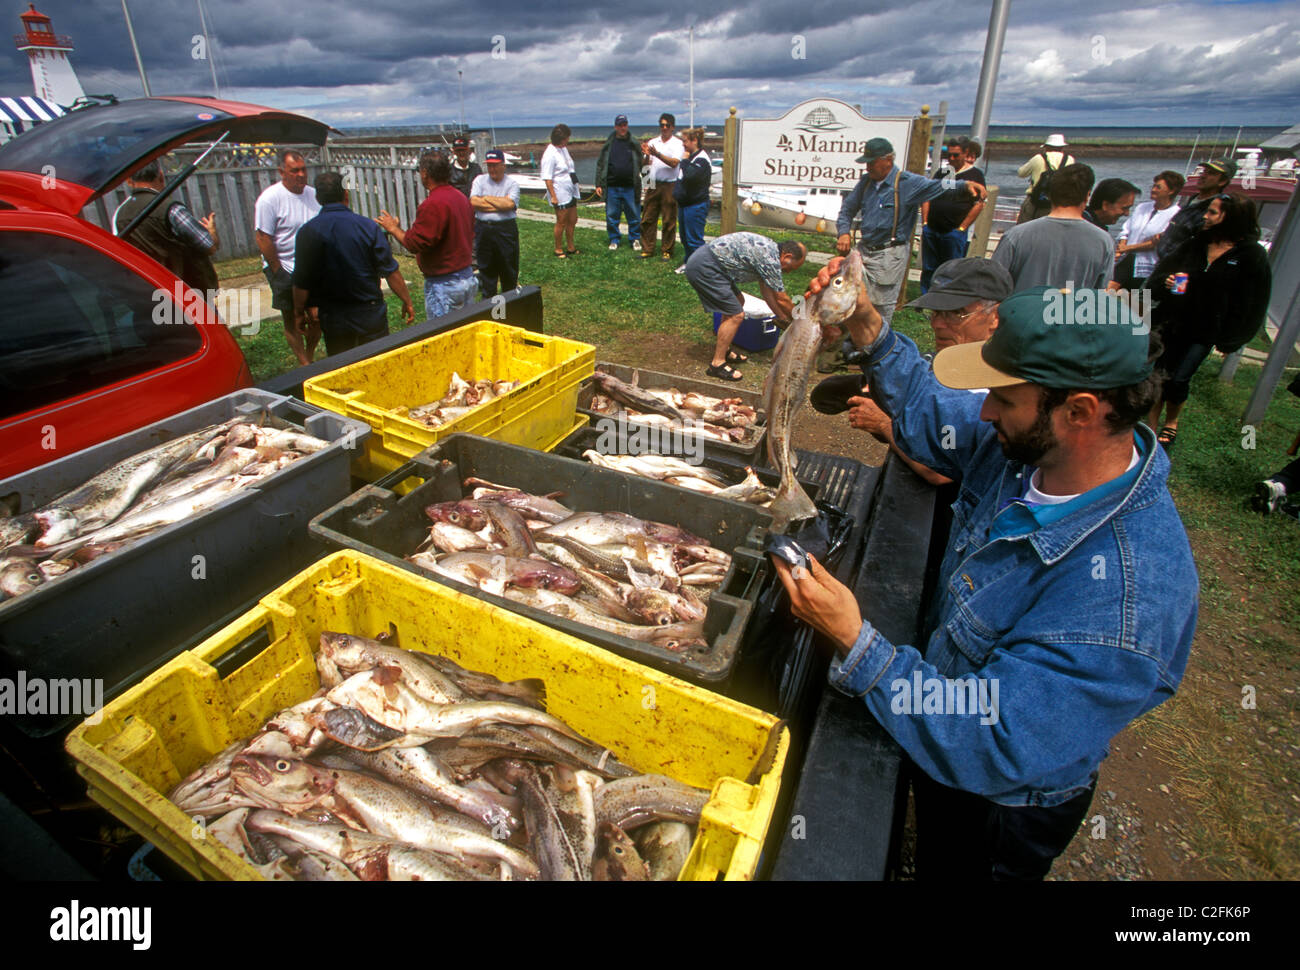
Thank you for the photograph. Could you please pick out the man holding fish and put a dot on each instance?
(1067, 590)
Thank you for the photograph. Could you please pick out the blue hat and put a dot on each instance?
(494, 155)
(621, 120)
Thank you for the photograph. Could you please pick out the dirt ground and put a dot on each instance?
(1135, 829)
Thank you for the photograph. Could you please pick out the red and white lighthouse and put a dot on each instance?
(52, 73)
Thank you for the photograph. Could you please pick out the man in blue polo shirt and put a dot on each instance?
(338, 259)
(1067, 596)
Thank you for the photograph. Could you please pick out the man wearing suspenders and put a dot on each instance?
(888, 199)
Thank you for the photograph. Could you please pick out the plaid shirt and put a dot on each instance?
(188, 228)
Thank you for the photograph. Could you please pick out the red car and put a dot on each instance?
(92, 342)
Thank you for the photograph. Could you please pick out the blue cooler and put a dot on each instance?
(758, 331)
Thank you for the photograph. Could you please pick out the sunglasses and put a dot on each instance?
(953, 314)
(664, 124)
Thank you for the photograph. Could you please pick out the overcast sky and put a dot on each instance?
(525, 62)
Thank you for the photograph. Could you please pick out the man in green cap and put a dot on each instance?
(1067, 595)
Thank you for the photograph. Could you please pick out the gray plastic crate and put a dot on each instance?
(120, 616)
(380, 523)
(750, 450)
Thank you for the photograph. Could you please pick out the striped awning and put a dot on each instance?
(22, 113)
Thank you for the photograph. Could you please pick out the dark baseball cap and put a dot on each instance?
(876, 148)
(1086, 339)
(961, 281)
(460, 141)
(1224, 166)
(494, 155)
(621, 120)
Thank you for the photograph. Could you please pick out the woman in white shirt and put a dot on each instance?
(1143, 227)
(562, 188)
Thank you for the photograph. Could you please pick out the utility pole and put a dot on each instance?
(979, 127)
(460, 81)
(690, 103)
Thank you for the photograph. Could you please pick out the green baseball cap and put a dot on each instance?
(1085, 339)
(876, 148)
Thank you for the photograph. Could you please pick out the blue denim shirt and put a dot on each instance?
(875, 200)
(1083, 623)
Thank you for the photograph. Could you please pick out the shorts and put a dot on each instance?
(713, 286)
(571, 204)
(281, 289)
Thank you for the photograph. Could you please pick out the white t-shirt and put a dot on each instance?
(1144, 222)
(280, 214)
(483, 185)
(673, 148)
(557, 165)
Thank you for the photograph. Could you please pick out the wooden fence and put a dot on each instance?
(378, 177)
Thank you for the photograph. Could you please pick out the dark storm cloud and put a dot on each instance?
(397, 60)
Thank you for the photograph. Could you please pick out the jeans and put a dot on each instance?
(442, 294)
(937, 248)
(692, 224)
(618, 200)
(961, 837)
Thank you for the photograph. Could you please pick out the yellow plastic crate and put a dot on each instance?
(369, 470)
(180, 716)
(381, 390)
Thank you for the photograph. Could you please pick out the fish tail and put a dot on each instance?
(791, 504)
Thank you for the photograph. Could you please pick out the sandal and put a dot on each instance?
(724, 371)
(572, 252)
(736, 358)
(1168, 434)
(560, 255)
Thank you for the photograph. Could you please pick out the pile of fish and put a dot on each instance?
(631, 577)
(462, 397)
(697, 478)
(140, 495)
(730, 420)
(406, 766)
(786, 386)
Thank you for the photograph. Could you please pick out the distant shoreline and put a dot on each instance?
(1081, 149)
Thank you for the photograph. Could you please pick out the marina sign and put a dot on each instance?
(815, 145)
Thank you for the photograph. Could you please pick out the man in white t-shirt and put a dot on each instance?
(278, 215)
(664, 155)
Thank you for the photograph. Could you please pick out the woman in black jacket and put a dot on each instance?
(692, 191)
(1228, 286)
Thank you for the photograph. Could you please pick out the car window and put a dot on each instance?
(75, 320)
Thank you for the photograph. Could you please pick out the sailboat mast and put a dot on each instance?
(207, 47)
(691, 103)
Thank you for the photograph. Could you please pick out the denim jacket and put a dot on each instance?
(1075, 628)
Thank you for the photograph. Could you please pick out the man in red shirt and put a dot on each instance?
(442, 238)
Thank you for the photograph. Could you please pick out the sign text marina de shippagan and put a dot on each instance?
(815, 144)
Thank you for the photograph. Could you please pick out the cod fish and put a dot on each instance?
(786, 387)
(632, 396)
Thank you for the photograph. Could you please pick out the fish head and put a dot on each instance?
(546, 575)
(653, 605)
(279, 781)
(465, 514)
(19, 576)
(838, 299)
(616, 858)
